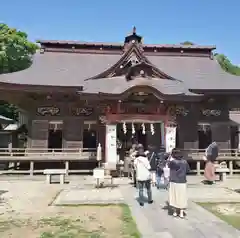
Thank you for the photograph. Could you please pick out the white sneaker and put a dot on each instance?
(181, 215)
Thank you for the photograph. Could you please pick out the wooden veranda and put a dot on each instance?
(12, 158)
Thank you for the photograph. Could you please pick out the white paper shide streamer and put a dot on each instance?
(124, 128)
(152, 129)
(133, 129)
(143, 129)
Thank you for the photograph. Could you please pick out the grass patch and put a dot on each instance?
(67, 228)
(54, 227)
(129, 225)
(91, 221)
(228, 212)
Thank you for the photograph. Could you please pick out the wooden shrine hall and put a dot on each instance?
(77, 95)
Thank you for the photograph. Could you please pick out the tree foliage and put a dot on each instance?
(8, 110)
(15, 50)
(187, 43)
(223, 60)
(15, 54)
(226, 64)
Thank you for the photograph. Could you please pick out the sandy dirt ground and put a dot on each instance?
(26, 211)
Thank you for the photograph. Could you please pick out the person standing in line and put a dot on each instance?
(178, 183)
(161, 165)
(210, 157)
(143, 175)
(153, 160)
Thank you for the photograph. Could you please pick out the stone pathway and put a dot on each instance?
(154, 221)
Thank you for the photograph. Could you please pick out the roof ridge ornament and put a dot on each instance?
(134, 30)
(133, 37)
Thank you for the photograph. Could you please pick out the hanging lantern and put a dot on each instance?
(133, 129)
(124, 128)
(152, 129)
(143, 129)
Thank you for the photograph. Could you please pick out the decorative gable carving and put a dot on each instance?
(133, 63)
(144, 70)
(133, 59)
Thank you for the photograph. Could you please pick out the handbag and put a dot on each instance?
(166, 171)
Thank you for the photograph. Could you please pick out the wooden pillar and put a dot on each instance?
(67, 167)
(162, 134)
(31, 168)
(198, 168)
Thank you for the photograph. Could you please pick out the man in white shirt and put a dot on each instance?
(143, 175)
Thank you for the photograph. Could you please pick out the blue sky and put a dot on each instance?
(170, 21)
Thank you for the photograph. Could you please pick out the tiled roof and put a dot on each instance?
(71, 69)
(196, 72)
(61, 69)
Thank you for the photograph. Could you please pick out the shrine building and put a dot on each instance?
(80, 94)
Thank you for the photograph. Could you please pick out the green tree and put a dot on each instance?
(15, 50)
(187, 43)
(15, 54)
(226, 64)
(8, 110)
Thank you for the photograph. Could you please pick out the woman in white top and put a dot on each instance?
(143, 175)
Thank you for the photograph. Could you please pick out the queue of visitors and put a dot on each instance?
(168, 171)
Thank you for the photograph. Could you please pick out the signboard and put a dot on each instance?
(170, 138)
(111, 145)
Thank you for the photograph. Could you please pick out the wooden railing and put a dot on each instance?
(230, 156)
(41, 153)
(14, 158)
